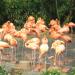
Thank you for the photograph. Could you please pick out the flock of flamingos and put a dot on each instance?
(8, 33)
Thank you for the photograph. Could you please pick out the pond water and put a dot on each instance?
(23, 54)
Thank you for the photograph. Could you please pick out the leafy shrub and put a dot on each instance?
(2, 71)
(51, 72)
(8, 66)
(72, 72)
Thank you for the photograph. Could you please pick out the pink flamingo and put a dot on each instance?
(8, 27)
(41, 25)
(12, 42)
(30, 27)
(2, 46)
(71, 25)
(64, 29)
(60, 33)
(34, 45)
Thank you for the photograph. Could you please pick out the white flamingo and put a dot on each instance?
(44, 48)
(59, 47)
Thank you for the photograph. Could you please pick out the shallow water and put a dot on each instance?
(25, 54)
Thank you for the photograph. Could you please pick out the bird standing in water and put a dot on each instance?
(59, 47)
(42, 52)
(2, 46)
(44, 46)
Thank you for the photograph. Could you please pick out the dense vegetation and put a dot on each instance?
(18, 10)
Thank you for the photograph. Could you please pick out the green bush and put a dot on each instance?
(2, 71)
(72, 72)
(51, 72)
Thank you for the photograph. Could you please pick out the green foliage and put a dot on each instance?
(2, 71)
(72, 72)
(55, 71)
(46, 73)
(64, 10)
(17, 11)
(52, 72)
(7, 66)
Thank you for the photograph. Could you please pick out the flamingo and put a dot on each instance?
(59, 47)
(17, 34)
(41, 25)
(12, 42)
(40, 20)
(10, 39)
(66, 38)
(2, 46)
(44, 46)
(58, 34)
(34, 45)
(60, 30)
(5, 26)
(1, 33)
(55, 35)
(54, 27)
(8, 27)
(56, 44)
(43, 50)
(23, 36)
(64, 29)
(31, 18)
(54, 24)
(30, 22)
(71, 24)
(1, 30)
(43, 28)
(30, 26)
